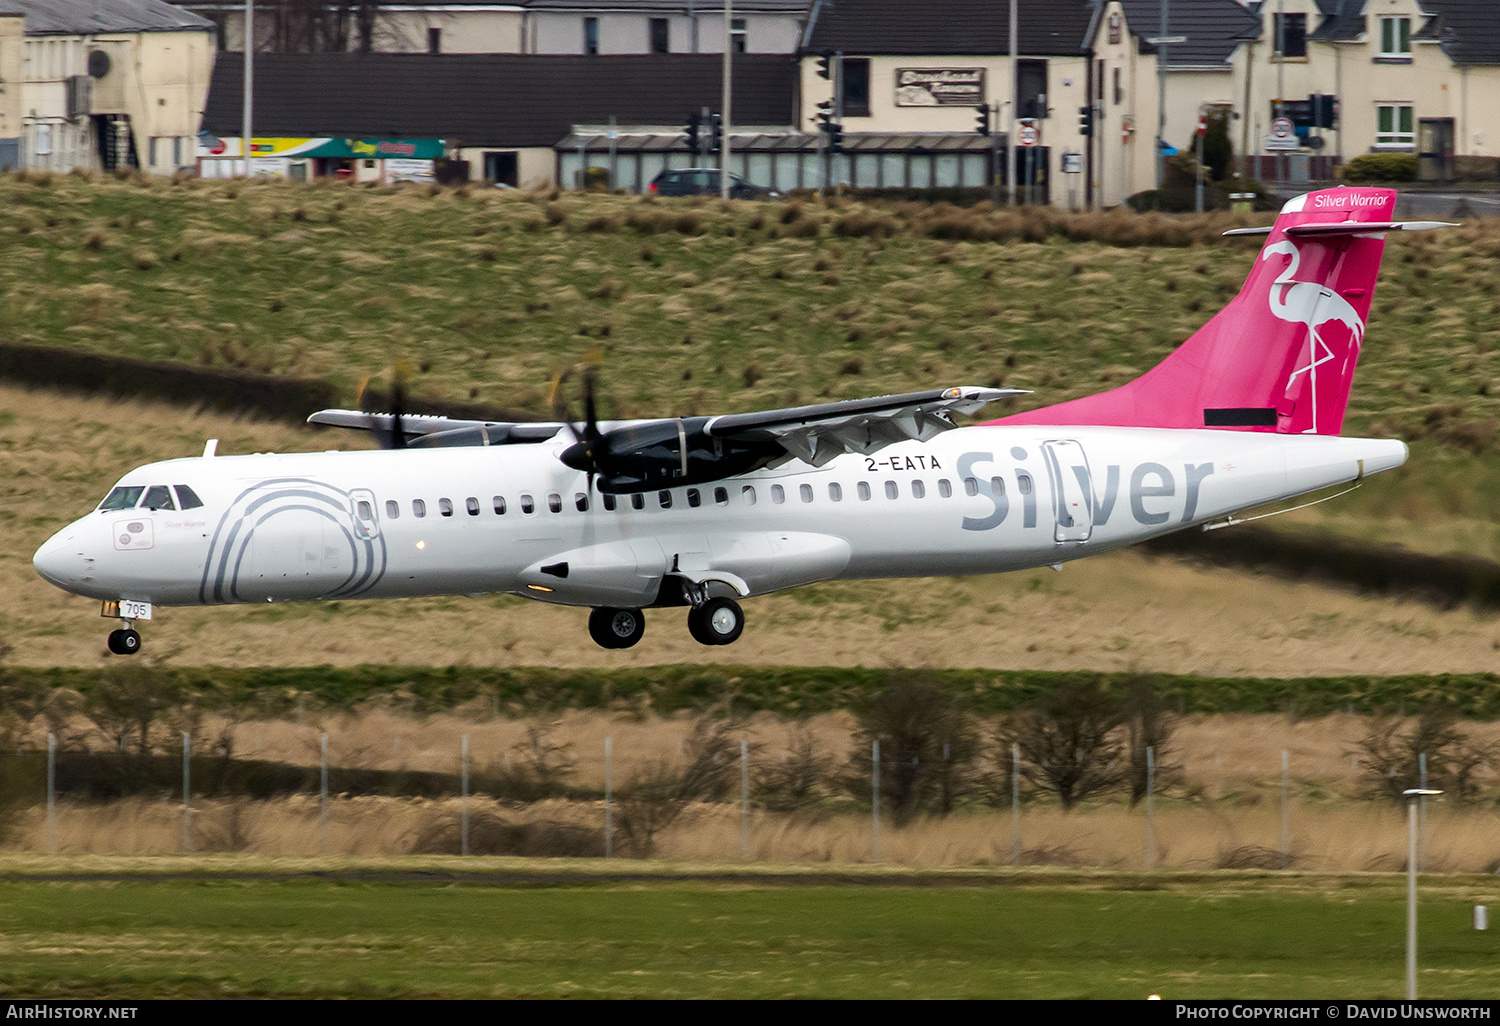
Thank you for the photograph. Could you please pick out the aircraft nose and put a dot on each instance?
(60, 560)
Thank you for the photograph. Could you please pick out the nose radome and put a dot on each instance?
(59, 559)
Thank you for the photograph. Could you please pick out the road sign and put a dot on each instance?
(1283, 135)
(1072, 163)
(1028, 135)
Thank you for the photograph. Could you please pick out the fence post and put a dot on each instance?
(51, 792)
(875, 804)
(1015, 804)
(187, 754)
(745, 799)
(1286, 831)
(608, 787)
(323, 799)
(1150, 807)
(463, 829)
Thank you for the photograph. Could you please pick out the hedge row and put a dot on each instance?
(787, 691)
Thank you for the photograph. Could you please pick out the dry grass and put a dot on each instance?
(1223, 809)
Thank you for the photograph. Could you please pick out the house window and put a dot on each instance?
(856, 87)
(737, 35)
(591, 35)
(1290, 38)
(1395, 38)
(434, 40)
(1393, 125)
(660, 37)
(1032, 76)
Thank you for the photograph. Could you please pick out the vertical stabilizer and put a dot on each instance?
(1281, 355)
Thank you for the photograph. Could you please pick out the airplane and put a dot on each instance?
(703, 512)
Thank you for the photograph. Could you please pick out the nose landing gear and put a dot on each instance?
(125, 641)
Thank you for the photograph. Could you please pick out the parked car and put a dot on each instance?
(704, 181)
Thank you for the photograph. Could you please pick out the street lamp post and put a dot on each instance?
(1413, 797)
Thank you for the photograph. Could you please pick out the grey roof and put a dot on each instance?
(489, 99)
(1469, 30)
(88, 17)
(949, 27)
(1214, 29)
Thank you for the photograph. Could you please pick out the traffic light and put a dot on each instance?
(824, 59)
(825, 115)
(691, 131)
(835, 137)
(982, 119)
(1086, 120)
(716, 133)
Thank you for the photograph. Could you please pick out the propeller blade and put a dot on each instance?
(398, 406)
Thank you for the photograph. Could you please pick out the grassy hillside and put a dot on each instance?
(699, 307)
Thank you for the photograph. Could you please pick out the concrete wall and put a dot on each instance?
(562, 32)
(12, 39)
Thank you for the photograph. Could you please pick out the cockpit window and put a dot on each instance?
(121, 498)
(158, 497)
(187, 498)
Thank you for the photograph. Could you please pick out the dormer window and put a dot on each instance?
(1395, 38)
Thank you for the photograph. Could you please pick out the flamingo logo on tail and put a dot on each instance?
(1315, 305)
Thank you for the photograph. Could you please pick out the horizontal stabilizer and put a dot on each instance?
(1348, 228)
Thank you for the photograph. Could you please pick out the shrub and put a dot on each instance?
(1065, 739)
(1380, 167)
(1392, 751)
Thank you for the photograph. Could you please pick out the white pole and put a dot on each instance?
(1161, 101)
(245, 135)
(608, 786)
(875, 803)
(745, 799)
(1015, 804)
(51, 792)
(1411, 899)
(1286, 832)
(724, 121)
(1150, 810)
(187, 754)
(463, 830)
(1422, 814)
(323, 800)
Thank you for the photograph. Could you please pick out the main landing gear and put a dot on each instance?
(716, 621)
(124, 641)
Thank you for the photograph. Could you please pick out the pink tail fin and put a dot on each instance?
(1281, 355)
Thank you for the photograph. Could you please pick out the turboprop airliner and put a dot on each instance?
(703, 512)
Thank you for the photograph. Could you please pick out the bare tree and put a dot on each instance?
(1066, 739)
(798, 780)
(654, 796)
(1391, 755)
(1149, 725)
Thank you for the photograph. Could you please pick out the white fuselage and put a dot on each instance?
(382, 524)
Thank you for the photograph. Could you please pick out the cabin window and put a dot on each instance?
(121, 498)
(694, 498)
(366, 511)
(528, 504)
(554, 502)
(997, 486)
(187, 498)
(891, 491)
(638, 500)
(945, 490)
(609, 502)
(664, 499)
(805, 491)
(392, 509)
(158, 497)
(581, 502)
(863, 489)
(721, 496)
(778, 494)
(1023, 483)
(971, 486)
(445, 507)
(418, 508)
(499, 503)
(747, 492)
(835, 492)
(918, 490)
(471, 506)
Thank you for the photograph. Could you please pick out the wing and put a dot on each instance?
(428, 432)
(817, 434)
